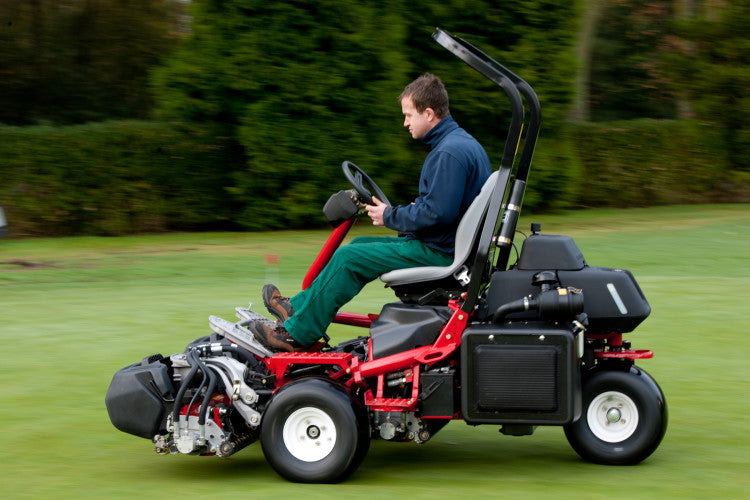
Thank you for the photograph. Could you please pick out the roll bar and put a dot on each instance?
(514, 87)
(479, 61)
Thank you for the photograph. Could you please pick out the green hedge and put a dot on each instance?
(129, 177)
(112, 178)
(653, 162)
(117, 178)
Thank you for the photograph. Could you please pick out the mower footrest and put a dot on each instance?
(390, 404)
(625, 354)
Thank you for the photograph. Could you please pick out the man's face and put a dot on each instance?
(418, 123)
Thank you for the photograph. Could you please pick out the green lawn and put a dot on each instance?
(75, 310)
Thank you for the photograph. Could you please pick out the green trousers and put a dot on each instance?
(350, 269)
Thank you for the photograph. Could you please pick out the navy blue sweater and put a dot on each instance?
(452, 175)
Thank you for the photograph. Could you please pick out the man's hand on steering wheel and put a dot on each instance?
(363, 184)
(375, 211)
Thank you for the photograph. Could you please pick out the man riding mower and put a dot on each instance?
(475, 337)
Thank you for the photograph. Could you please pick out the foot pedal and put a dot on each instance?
(239, 335)
(247, 314)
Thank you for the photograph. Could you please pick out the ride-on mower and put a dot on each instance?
(536, 341)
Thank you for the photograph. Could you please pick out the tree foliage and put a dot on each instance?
(261, 101)
(627, 79)
(304, 85)
(73, 61)
(710, 63)
(651, 162)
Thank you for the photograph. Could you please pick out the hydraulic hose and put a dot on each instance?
(196, 359)
(215, 348)
(209, 392)
(520, 305)
(552, 304)
(204, 405)
(181, 394)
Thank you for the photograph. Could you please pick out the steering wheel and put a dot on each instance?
(358, 178)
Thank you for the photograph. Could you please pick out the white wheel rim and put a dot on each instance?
(612, 416)
(309, 434)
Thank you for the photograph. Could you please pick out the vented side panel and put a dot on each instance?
(519, 373)
(516, 378)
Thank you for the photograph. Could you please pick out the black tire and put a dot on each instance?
(624, 418)
(314, 432)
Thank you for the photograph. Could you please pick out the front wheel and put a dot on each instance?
(313, 432)
(624, 418)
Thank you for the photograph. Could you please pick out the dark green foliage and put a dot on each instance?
(653, 162)
(292, 87)
(303, 86)
(627, 79)
(533, 39)
(555, 174)
(75, 61)
(266, 99)
(112, 178)
(710, 64)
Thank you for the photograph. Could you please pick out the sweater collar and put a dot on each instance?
(439, 131)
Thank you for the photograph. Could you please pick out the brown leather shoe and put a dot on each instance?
(276, 304)
(275, 339)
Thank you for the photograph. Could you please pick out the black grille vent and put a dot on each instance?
(517, 378)
(519, 373)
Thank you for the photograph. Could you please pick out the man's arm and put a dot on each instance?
(439, 203)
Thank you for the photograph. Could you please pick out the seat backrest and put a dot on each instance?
(466, 235)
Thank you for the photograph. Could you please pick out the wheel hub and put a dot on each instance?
(612, 416)
(309, 434)
(313, 432)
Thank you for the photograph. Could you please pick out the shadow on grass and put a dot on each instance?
(482, 456)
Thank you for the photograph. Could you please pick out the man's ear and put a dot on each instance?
(430, 114)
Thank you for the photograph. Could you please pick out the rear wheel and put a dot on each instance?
(624, 418)
(314, 432)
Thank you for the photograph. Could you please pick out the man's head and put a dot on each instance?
(424, 102)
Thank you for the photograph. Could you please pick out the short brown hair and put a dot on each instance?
(428, 91)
